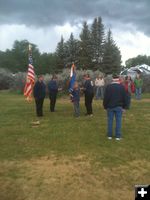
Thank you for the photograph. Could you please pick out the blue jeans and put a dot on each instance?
(117, 112)
(99, 92)
(138, 92)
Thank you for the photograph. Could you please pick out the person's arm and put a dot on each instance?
(85, 86)
(96, 82)
(35, 90)
(106, 97)
(49, 86)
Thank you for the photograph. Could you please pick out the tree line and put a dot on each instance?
(94, 49)
(138, 60)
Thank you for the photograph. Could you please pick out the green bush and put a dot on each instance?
(6, 79)
(146, 83)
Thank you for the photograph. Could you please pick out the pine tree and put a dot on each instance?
(60, 52)
(72, 50)
(112, 56)
(85, 48)
(97, 42)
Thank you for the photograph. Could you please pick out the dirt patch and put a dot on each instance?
(55, 178)
(141, 100)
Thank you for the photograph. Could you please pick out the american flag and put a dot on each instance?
(30, 79)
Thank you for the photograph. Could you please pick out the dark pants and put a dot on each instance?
(117, 112)
(76, 108)
(88, 102)
(128, 100)
(52, 97)
(39, 106)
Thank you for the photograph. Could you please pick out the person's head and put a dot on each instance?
(138, 76)
(115, 78)
(54, 77)
(101, 76)
(122, 79)
(40, 78)
(126, 78)
(84, 76)
(129, 78)
(87, 76)
(76, 85)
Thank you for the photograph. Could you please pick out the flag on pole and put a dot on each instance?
(30, 79)
(72, 78)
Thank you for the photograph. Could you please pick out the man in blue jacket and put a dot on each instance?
(89, 94)
(115, 101)
(39, 92)
(53, 90)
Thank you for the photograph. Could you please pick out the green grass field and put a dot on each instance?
(65, 158)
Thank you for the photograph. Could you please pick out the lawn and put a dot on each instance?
(64, 158)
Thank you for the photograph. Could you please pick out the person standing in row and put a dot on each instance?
(99, 83)
(138, 82)
(115, 101)
(89, 94)
(39, 92)
(53, 90)
(75, 98)
(129, 88)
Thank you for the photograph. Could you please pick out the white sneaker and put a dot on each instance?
(118, 139)
(109, 138)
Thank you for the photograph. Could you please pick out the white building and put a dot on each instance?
(143, 69)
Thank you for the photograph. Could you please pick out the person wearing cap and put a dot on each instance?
(99, 84)
(115, 101)
(39, 92)
(53, 90)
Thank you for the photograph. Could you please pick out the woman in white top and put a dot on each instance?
(99, 83)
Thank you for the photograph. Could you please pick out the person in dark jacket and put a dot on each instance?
(89, 94)
(53, 90)
(115, 101)
(39, 92)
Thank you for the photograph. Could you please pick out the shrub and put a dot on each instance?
(6, 79)
(18, 82)
(146, 83)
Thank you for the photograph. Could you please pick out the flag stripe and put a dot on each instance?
(30, 78)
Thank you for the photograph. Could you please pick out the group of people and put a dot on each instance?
(39, 93)
(116, 97)
(132, 87)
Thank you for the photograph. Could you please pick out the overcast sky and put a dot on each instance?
(42, 22)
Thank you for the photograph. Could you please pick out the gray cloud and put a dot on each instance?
(42, 13)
